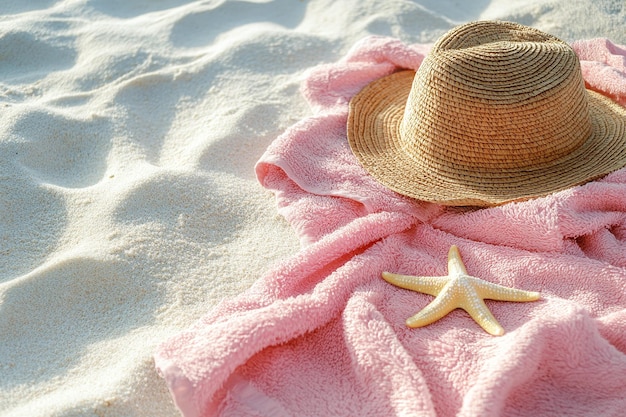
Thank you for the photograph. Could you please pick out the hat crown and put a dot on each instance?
(493, 96)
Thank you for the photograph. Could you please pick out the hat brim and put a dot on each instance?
(374, 136)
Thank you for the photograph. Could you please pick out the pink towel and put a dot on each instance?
(323, 334)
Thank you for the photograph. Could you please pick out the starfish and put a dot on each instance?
(458, 290)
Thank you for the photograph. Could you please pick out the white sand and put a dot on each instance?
(128, 135)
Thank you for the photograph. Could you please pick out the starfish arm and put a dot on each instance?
(492, 291)
(478, 310)
(426, 285)
(455, 262)
(438, 308)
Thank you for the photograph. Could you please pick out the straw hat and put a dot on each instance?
(496, 112)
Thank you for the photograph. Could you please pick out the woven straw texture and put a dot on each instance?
(497, 112)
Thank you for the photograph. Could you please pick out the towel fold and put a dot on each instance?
(323, 335)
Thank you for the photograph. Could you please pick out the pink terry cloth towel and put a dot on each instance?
(322, 334)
